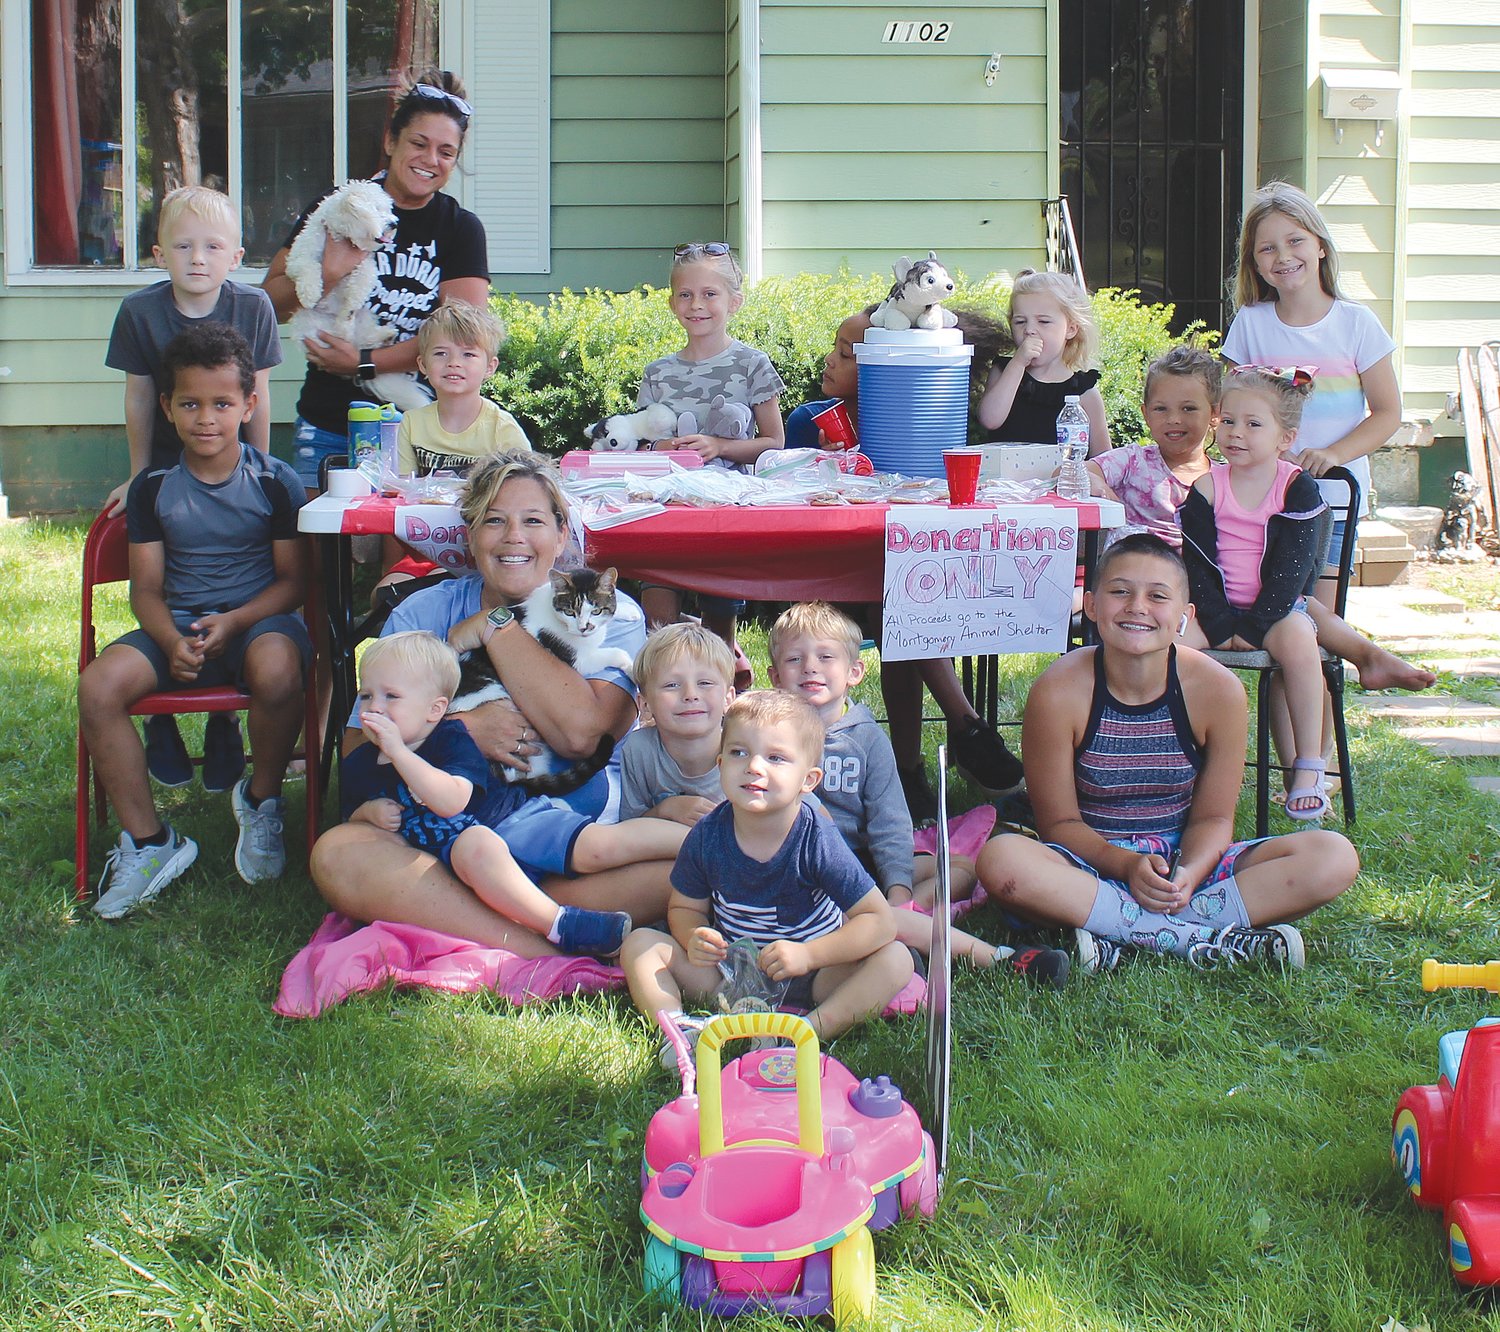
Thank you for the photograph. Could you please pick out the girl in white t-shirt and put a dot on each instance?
(1292, 313)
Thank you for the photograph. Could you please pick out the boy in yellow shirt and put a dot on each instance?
(457, 348)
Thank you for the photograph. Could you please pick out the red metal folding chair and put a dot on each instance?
(106, 560)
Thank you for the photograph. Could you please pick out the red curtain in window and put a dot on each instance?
(411, 46)
(59, 158)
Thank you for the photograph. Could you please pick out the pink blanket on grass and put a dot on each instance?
(967, 834)
(344, 957)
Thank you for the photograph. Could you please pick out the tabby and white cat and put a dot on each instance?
(570, 617)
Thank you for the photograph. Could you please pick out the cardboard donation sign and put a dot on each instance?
(436, 532)
(977, 581)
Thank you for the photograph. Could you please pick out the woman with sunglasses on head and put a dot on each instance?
(437, 254)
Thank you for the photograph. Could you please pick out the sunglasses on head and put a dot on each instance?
(694, 248)
(428, 93)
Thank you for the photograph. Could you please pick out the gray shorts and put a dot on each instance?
(228, 668)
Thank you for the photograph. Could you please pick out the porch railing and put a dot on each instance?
(1062, 244)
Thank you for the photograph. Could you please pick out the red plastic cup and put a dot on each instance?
(962, 466)
(837, 428)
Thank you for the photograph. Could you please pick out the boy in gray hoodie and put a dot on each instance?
(814, 650)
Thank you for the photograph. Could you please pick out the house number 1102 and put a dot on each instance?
(906, 30)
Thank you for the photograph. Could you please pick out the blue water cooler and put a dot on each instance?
(913, 397)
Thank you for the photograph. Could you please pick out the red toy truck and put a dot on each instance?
(1445, 1138)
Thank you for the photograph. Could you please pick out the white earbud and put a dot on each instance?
(1182, 625)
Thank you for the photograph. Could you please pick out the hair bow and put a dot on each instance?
(1299, 376)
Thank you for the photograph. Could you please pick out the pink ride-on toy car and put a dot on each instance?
(760, 1191)
(1445, 1138)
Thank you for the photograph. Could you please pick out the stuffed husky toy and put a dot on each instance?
(633, 430)
(360, 212)
(915, 301)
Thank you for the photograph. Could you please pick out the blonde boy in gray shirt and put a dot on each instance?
(670, 770)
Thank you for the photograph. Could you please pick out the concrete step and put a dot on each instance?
(1468, 668)
(1456, 741)
(1426, 646)
(1376, 535)
(1425, 707)
(1434, 628)
(1486, 785)
(1380, 536)
(1413, 598)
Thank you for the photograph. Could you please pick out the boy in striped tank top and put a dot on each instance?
(764, 867)
(1134, 752)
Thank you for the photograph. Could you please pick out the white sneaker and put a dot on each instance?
(137, 874)
(1281, 944)
(259, 853)
(1095, 952)
(691, 1026)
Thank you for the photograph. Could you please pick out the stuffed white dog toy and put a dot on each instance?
(360, 212)
(915, 301)
(633, 430)
(640, 430)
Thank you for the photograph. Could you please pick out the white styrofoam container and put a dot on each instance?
(1018, 462)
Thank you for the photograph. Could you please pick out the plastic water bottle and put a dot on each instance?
(372, 437)
(364, 432)
(1073, 442)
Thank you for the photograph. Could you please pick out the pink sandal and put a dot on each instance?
(1309, 814)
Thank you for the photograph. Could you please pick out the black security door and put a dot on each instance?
(1152, 117)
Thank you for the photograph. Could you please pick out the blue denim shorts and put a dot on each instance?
(310, 446)
(1336, 542)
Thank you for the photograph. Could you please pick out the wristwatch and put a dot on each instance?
(498, 619)
(366, 367)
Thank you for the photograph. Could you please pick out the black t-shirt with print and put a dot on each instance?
(434, 244)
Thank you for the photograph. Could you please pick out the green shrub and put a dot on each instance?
(579, 357)
(1131, 336)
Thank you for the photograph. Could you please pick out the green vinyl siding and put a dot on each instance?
(1413, 216)
(637, 140)
(1283, 90)
(1356, 182)
(872, 150)
(734, 122)
(1453, 164)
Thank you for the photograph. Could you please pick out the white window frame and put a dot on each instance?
(521, 138)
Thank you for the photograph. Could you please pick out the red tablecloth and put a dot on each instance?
(785, 553)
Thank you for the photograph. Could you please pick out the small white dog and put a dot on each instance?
(360, 212)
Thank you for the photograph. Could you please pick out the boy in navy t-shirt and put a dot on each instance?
(216, 572)
(421, 775)
(764, 867)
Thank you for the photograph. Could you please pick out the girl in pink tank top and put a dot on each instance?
(1254, 532)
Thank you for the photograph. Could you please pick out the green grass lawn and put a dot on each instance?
(1155, 1149)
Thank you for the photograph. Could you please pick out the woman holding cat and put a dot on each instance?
(517, 522)
(437, 254)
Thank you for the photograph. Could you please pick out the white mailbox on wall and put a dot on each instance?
(1360, 94)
